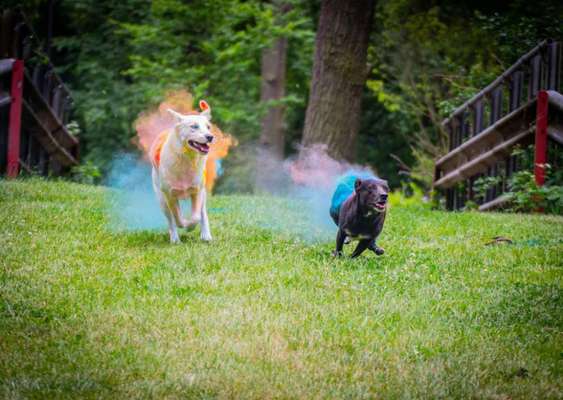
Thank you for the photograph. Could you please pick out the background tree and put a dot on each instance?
(339, 75)
(273, 71)
(272, 92)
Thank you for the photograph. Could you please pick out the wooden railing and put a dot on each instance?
(484, 130)
(43, 144)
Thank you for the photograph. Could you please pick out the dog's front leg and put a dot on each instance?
(205, 230)
(340, 237)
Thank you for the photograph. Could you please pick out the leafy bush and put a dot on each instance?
(411, 195)
(87, 173)
(526, 196)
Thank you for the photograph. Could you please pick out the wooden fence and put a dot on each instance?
(522, 106)
(35, 105)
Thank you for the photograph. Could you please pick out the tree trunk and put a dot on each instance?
(272, 143)
(273, 88)
(339, 75)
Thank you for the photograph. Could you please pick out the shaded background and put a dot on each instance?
(424, 59)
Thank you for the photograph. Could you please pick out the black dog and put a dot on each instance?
(361, 216)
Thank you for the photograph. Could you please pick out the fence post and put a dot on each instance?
(15, 120)
(540, 157)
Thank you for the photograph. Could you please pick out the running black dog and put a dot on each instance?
(361, 215)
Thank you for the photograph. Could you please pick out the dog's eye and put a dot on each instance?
(194, 126)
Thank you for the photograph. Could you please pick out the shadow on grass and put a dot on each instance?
(153, 238)
(323, 253)
(527, 305)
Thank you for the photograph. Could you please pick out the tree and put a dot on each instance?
(339, 76)
(273, 89)
(273, 74)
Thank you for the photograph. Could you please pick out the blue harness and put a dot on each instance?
(345, 188)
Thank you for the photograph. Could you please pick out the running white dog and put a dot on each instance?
(178, 158)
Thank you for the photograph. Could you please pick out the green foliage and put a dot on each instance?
(95, 57)
(410, 195)
(527, 196)
(73, 128)
(522, 192)
(86, 173)
(123, 60)
(484, 183)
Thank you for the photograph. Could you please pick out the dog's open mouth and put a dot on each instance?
(203, 148)
(380, 206)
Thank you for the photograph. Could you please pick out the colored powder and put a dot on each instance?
(345, 188)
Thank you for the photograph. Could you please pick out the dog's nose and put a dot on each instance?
(209, 138)
(383, 196)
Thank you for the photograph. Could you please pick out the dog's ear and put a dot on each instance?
(177, 116)
(205, 109)
(357, 184)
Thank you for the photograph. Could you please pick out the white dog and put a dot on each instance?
(178, 157)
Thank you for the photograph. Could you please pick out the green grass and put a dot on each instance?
(86, 312)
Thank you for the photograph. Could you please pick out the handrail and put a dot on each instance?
(484, 129)
(501, 78)
(485, 132)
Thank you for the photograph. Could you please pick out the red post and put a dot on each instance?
(540, 158)
(15, 120)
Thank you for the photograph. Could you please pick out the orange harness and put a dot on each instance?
(156, 148)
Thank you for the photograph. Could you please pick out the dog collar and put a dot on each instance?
(187, 150)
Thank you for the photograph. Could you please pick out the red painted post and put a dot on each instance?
(540, 157)
(15, 120)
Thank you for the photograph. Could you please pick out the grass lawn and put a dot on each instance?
(89, 312)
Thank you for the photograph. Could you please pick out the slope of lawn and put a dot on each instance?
(89, 312)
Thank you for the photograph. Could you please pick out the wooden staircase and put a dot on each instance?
(35, 105)
(522, 106)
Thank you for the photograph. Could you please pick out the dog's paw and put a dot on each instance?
(348, 240)
(206, 237)
(379, 251)
(174, 238)
(191, 224)
(336, 254)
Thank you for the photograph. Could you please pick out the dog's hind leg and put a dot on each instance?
(205, 230)
(177, 214)
(169, 205)
(196, 210)
(165, 207)
(362, 245)
(375, 248)
(172, 227)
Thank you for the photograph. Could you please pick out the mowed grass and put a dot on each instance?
(87, 312)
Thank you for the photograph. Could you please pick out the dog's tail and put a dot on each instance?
(219, 150)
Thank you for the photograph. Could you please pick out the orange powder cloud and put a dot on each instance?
(152, 124)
